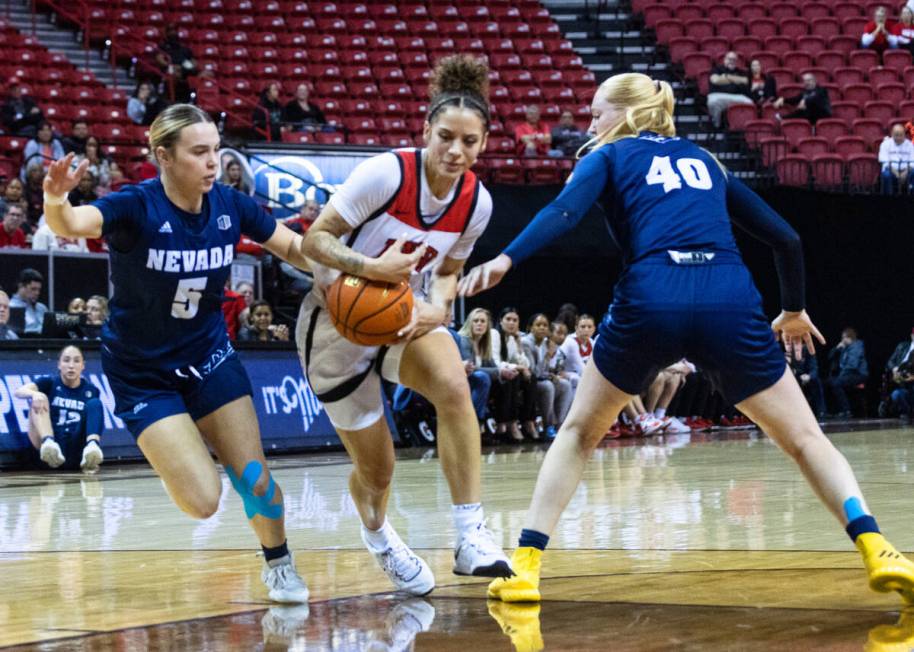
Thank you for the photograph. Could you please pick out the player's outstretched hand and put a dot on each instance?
(394, 265)
(485, 276)
(796, 330)
(61, 178)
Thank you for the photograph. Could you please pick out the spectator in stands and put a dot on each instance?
(553, 392)
(729, 85)
(903, 30)
(77, 306)
(566, 137)
(877, 34)
(308, 212)
(812, 104)
(268, 113)
(30, 283)
(99, 164)
(568, 315)
(806, 371)
(847, 362)
(10, 233)
(20, 113)
(144, 105)
(262, 328)
(519, 400)
(476, 351)
(96, 316)
(302, 115)
(532, 136)
(176, 59)
(85, 192)
(34, 195)
(66, 417)
(6, 333)
(901, 368)
(43, 148)
(663, 390)
(76, 141)
(14, 194)
(46, 240)
(896, 155)
(233, 176)
(763, 88)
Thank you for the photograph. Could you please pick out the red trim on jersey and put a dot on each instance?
(585, 349)
(405, 204)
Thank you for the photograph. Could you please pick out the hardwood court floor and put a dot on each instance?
(703, 542)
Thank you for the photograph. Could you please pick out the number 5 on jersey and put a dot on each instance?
(693, 171)
(187, 297)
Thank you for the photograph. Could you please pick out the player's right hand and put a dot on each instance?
(485, 276)
(61, 178)
(40, 403)
(393, 265)
(796, 330)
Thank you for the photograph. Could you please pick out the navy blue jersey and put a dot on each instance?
(69, 405)
(169, 268)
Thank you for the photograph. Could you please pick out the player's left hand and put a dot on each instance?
(485, 276)
(426, 317)
(796, 330)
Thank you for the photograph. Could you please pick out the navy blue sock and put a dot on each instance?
(861, 525)
(533, 539)
(278, 552)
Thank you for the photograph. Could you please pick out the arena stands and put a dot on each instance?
(789, 39)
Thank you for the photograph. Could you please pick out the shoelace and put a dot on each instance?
(283, 576)
(400, 563)
(482, 538)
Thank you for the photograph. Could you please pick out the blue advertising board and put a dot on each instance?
(288, 178)
(289, 413)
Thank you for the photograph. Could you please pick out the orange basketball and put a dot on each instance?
(367, 312)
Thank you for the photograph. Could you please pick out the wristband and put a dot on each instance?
(54, 200)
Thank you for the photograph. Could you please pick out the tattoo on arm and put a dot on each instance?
(329, 250)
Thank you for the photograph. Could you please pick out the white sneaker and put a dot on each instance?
(478, 554)
(280, 624)
(677, 427)
(284, 582)
(51, 454)
(92, 457)
(649, 424)
(406, 570)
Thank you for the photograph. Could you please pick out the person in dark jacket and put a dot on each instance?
(812, 104)
(847, 362)
(901, 367)
(763, 88)
(268, 113)
(806, 371)
(301, 114)
(20, 114)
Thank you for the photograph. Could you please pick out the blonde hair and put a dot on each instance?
(482, 348)
(165, 130)
(648, 106)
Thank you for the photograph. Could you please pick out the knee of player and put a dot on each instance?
(258, 490)
(204, 503)
(375, 477)
(451, 393)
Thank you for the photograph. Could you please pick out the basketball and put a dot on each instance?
(367, 312)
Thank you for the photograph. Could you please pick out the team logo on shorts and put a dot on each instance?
(224, 222)
(139, 407)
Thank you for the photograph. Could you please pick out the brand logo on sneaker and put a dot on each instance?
(165, 228)
(224, 222)
(139, 406)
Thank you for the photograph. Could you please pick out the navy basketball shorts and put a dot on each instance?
(144, 394)
(710, 314)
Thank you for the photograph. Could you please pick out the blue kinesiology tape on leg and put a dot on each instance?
(244, 485)
(853, 509)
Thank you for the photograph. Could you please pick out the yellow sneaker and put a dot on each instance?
(524, 586)
(892, 638)
(521, 622)
(887, 568)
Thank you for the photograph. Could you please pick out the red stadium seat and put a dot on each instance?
(843, 43)
(864, 59)
(670, 29)
(699, 29)
(896, 59)
(859, 93)
(679, 48)
(696, 63)
(542, 171)
(878, 76)
(715, 47)
(730, 28)
(773, 149)
(815, 11)
(746, 45)
(862, 172)
(781, 45)
(872, 131)
(847, 145)
(793, 170)
(795, 130)
(811, 44)
(655, 13)
(831, 128)
(738, 115)
(828, 171)
(847, 111)
(794, 27)
(894, 92)
(767, 58)
(825, 27)
(879, 110)
(847, 76)
(906, 108)
(796, 60)
(812, 146)
(782, 76)
(506, 170)
(781, 10)
(842, 10)
(763, 28)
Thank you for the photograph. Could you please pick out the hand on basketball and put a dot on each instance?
(394, 265)
(485, 276)
(426, 317)
(796, 330)
(61, 179)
